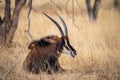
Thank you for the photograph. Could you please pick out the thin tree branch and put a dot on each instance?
(73, 10)
(28, 16)
(56, 5)
(67, 7)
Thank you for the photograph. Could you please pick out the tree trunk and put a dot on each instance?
(117, 5)
(89, 9)
(6, 22)
(19, 4)
(93, 11)
(96, 8)
(9, 24)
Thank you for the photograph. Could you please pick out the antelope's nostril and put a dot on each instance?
(74, 53)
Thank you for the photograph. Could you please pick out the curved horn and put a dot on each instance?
(58, 26)
(64, 24)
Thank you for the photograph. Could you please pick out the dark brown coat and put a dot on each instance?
(43, 55)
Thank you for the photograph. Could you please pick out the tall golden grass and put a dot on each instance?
(97, 43)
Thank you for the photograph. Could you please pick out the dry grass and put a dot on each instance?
(97, 44)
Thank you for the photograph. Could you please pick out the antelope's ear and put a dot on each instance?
(31, 45)
(50, 40)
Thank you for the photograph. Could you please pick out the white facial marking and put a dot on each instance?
(66, 51)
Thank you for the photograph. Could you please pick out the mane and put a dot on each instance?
(41, 42)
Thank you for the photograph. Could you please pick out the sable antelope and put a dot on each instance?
(44, 53)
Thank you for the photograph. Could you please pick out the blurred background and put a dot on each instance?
(97, 42)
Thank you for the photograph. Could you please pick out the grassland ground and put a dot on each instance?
(97, 43)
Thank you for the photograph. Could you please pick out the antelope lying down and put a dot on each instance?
(44, 53)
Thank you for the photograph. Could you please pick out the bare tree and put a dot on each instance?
(10, 21)
(117, 5)
(93, 11)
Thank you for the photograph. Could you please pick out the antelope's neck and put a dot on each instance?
(65, 37)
